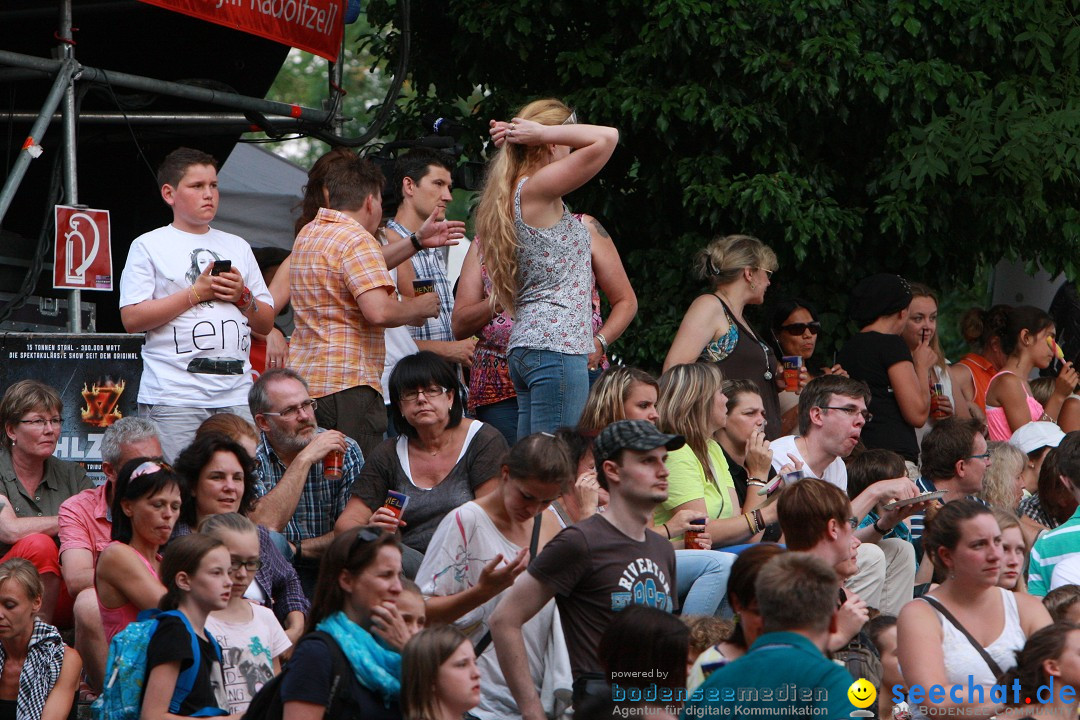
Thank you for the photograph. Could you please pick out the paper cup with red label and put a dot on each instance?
(396, 503)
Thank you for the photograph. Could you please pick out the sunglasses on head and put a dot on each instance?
(799, 328)
(365, 536)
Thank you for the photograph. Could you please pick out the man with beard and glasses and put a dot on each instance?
(832, 413)
(296, 497)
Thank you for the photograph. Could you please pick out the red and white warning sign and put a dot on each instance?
(83, 253)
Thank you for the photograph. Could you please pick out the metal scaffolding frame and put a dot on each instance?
(66, 72)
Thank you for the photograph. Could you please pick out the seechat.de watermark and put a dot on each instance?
(973, 693)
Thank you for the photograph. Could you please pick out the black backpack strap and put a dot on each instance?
(534, 543)
(341, 668)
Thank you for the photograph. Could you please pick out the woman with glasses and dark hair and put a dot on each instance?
(145, 506)
(440, 461)
(220, 478)
(33, 484)
(355, 609)
(739, 270)
(795, 329)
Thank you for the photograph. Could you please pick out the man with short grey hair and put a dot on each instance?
(796, 596)
(85, 522)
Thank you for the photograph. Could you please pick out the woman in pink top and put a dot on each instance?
(1027, 338)
(145, 507)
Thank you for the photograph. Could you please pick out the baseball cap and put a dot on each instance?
(640, 435)
(1034, 435)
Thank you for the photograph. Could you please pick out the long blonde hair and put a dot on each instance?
(686, 398)
(605, 403)
(495, 212)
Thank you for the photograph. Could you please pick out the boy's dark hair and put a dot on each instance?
(949, 442)
(871, 466)
(350, 182)
(819, 391)
(172, 168)
(796, 591)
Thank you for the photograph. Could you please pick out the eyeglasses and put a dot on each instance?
(768, 273)
(39, 423)
(853, 522)
(799, 328)
(983, 456)
(429, 392)
(250, 565)
(150, 466)
(290, 412)
(850, 411)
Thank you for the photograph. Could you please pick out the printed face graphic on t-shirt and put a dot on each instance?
(643, 582)
(201, 258)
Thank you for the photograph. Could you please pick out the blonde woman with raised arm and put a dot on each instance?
(539, 256)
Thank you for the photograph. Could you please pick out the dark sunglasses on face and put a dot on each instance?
(799, 328)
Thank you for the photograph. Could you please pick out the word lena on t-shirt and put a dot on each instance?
(205, 335)
(645, 584)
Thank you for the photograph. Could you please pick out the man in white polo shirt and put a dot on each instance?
(832, 413)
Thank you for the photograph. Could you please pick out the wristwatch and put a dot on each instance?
(245, 298)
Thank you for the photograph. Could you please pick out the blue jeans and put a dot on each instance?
(503, 416)
(551, 388)
(702, 577)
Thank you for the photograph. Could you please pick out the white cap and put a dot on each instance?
(1034, 435)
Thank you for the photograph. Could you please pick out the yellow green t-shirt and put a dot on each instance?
(687, 482)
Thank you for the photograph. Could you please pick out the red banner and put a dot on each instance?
(83, 253)
(312, 25)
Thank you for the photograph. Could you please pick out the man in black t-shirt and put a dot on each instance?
(598, 566)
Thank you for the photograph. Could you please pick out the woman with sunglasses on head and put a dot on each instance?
(479, 550)
(795, 329)
(355, 608)
(220, 478)
(739, 269)
(33, 484)
(440, 461)
(145, 507)
(250, 637)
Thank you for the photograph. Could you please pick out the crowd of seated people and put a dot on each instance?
(887, 516)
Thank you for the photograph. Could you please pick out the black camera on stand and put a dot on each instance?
(467, 175)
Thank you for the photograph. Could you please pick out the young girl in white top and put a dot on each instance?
(251, 638)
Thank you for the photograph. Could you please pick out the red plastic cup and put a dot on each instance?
(937, 391)
(333, 464)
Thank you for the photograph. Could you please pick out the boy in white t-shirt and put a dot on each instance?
(198, 294)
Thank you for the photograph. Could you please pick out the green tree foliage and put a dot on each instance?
(925, 137)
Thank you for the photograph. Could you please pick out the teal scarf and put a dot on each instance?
(376, 667)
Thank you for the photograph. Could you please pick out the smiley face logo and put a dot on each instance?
(862, 693)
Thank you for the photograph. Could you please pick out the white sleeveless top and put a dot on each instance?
(962, 659)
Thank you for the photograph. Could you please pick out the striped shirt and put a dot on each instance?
(1051, 548)
(335, 261)
(430, 264)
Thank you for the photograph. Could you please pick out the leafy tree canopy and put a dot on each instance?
(926, 137)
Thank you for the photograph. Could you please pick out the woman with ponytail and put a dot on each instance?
(539, 256)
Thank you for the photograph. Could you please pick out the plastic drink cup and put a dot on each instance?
(690, 537)
(396, 503)
(792, 365)
(423, 286)
(937, 391)
(332, 465)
